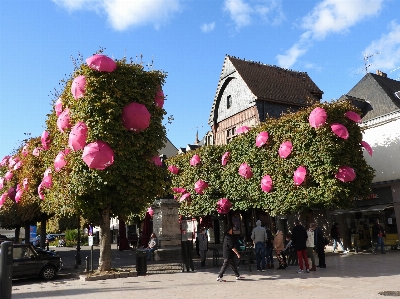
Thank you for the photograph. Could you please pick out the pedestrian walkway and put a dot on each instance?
(362, 275)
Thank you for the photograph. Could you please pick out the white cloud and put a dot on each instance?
(123, 14)
(244, 12)
(329, 16)
(388, 47)
(207, 27)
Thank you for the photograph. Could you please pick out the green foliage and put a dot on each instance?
(319, 150)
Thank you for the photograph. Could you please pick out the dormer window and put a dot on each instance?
(228, 101)
(397, 94)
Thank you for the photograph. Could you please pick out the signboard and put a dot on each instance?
(32, 233)
(90, 238)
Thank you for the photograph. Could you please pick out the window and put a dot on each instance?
(230, 134)
(228, 101)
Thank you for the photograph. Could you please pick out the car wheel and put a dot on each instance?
(48, 273)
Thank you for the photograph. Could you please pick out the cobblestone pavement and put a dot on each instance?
(362, 275)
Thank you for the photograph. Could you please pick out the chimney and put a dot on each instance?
(380, 73)
(197, 138)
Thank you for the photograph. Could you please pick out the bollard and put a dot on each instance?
(87, 264)
(6, 267)
(76, 264)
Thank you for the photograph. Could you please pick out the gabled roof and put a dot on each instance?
(272, 83)
(380, 92)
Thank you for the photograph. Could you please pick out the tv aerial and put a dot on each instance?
(366, 61)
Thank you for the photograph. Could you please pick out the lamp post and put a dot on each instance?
(78, 260)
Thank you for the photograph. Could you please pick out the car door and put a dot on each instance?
(24, 262)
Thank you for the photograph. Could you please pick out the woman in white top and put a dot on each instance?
(310, 245)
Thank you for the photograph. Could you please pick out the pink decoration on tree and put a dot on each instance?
(340, 130)
(179, 190)
(367, 147)
(40, 192)
(135, 117)
(47, 181)
(98, 155)
(9, 175)
(45, 138)
(345, 174)
(78, 87)
(1, 183)
(4, 161)
(184, 197)
(58, 107)
(262, 139)
(36, 151)
(173, 169)
(242, 130)
(59, 161)
(156, 160)
(317, 117)
(25, 151)
(200, 186)
(159, 98)
(353, 116)
(18, 195)
(12, 161)
(150, 211)
(101, 63)
(266, 183)
(78, 135)
(195, 160)
(224, 206)
(64, 121)
(18, 165)
(299, 175)
(25, 184)
(225, 158)
(11, 193)
(245, 171)
(285, 149)
(3, 198)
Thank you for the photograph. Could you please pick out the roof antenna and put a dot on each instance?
(366, 61)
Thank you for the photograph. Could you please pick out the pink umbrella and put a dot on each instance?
(242, 130)
(11, 193)
(157, 161)
(59, 161)
(150, 211)
(40, 192)
(47, 172)
(12, 161)
(18, 165)
(285, 149)
(58, 107)
(195, 160)
(3, 198)
(223, 206)
(63, 121)
(184, 197)
(225, 158)
(159, 99)
(299, 175)
(345, 174)
(78, 87)
(18, 195)
(367, 147)
(1, 183)
(101, 63)
(4, 161)
(179, 190)
(317, 117)
(25, 151)
(135, 117)
(245, 171)
(353, 116)
(9, 175)
(173, 169)
(266, 183)
(262, 139)
(340, 130)
(200, 186)
(98, 155)
(25, 183)
(45, 138)
(36, 151)
(47, 181)
(77, 136)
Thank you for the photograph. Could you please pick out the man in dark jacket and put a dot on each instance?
(299, 238)
(320, 246)
(378, 233)
(228, 253)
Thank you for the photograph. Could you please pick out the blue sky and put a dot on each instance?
(328, 39)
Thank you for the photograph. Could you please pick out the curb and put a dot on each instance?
(84, 277)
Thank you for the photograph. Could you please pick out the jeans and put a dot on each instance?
(335, 244)
(149, 252)
(228, 262)
(268, 255)
(380, 243)
(321, 256)
(310, 253)
(260, 255)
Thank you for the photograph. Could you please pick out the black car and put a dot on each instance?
(27, 262)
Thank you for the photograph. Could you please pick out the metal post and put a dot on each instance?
(87, 264)
(78, 260)
(91, 258)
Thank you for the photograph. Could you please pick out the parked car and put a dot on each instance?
(29, 262)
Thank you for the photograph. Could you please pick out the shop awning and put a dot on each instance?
(375, 208)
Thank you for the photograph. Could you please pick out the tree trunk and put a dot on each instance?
(16, 234)
(27, 233)
(43, 232)
(105, 242)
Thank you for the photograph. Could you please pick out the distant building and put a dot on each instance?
(248, 92)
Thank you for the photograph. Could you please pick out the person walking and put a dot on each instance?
(320, 246)
(299, 238)
(335, 235)
(203, 246)
(279, 246)
(259, 237)
(269, 246)
(310, 246)
(378, 233)
(228, 253)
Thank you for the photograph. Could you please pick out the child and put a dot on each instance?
(289, 251)
(279, 247)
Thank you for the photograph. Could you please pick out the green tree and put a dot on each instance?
(319, 150)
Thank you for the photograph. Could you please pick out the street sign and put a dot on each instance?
(90, 240)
